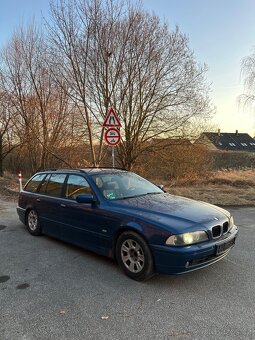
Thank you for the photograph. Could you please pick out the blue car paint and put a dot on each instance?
(156, 217)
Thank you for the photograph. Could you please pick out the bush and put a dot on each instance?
(232, 160)
(186, 161)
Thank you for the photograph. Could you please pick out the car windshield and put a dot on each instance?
(123, 185)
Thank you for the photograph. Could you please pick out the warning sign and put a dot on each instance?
(111, 119)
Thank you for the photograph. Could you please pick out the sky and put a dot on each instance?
(221, 34)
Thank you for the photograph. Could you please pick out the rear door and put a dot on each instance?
(50, 205)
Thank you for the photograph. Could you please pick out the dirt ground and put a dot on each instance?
(224, 188)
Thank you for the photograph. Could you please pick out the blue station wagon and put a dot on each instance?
(119, 214)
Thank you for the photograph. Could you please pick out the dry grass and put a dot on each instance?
(225, 188)
(9, 187)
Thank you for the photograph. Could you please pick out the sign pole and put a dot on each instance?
(113, 157)
(112, 134)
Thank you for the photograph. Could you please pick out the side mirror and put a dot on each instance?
(88, 198)
(161, 186)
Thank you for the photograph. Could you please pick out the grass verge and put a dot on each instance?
(224, 188)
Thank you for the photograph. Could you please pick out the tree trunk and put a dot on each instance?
(1, 157)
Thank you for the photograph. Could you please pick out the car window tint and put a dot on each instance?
(55, 184)
(76, 185)
(42, 187)
(34, 183)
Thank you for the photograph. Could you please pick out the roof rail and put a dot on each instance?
(62, 169)
(83, 169)
(103, 167)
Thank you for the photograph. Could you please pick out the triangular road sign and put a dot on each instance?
(111, 119)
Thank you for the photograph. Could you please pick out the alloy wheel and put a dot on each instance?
(32, 220)
(132, 256)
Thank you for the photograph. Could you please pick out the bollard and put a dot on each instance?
(20, 181)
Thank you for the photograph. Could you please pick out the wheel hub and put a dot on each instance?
(133, 254)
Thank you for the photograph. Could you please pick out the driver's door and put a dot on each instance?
(84, 223)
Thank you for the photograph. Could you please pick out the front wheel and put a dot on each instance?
(134, 256)
(33, 224)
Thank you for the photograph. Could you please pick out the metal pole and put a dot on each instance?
(113, 158)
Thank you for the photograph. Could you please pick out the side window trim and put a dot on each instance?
(47, 185)
(64, 187)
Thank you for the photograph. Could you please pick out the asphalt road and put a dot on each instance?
(51, 290)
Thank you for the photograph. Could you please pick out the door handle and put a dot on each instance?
(62, 205)
(38, 200)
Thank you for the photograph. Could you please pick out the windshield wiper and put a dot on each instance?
(127, 197)
(140, 195)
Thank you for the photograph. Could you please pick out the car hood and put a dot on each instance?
(173, 211)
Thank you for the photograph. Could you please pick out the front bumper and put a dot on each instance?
(180, 260)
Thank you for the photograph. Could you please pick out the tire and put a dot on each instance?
(32, 222)
(134, 256)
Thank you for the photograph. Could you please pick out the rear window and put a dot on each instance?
(33, 184)
(55, 185)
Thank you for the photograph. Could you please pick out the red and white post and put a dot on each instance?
(20, 180)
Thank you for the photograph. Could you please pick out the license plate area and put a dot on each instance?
(221, 248)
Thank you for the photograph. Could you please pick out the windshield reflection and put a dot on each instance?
(124, 185)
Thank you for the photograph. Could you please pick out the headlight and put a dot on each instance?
(231, 222)
(187, 238)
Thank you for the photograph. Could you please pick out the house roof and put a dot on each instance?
(231, 141)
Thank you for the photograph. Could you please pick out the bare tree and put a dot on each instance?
(96, 55)
(248, 74)
(43, 106)
(8, 139)
(112, 53)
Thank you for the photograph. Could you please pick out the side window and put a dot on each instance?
(43, 185)
(33, 184)
(76, 185)
(55, 184)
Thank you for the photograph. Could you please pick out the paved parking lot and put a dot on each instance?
(51, 290)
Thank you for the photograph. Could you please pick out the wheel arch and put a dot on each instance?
(134, 228)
